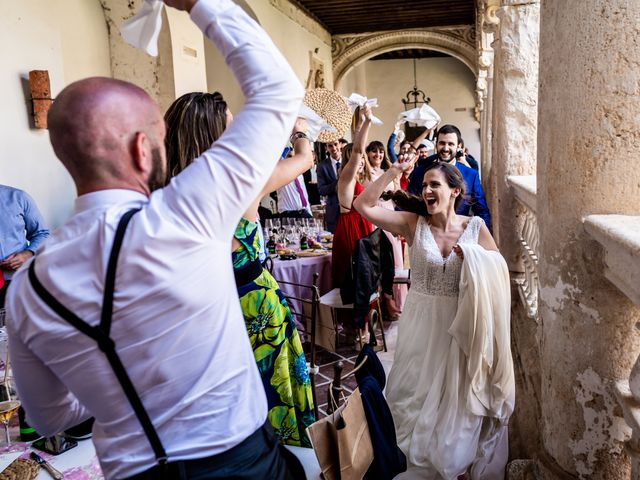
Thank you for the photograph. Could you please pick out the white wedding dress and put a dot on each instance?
(429, 385)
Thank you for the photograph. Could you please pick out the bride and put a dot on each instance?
(451, 387)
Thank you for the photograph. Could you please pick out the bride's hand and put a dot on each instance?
(458, 250)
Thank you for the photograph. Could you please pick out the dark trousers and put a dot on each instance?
(258, 457)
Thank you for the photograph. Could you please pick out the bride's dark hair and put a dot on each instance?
(415, 204)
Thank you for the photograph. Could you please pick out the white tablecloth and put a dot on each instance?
(79, 463)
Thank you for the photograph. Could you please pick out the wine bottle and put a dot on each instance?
(271, 245)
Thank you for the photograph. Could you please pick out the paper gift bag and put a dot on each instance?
(342, 442)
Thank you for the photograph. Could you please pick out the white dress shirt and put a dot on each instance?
(289, 197)
(177, 323)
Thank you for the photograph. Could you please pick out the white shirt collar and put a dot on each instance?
(107, 198)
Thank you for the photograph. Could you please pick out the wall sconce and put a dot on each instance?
(40, 96)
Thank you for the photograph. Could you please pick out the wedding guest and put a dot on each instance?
(351, 226)
(22, 231)
(267, 318)
(328, 182)
(448, 141)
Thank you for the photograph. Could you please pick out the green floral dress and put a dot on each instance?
(276, 345)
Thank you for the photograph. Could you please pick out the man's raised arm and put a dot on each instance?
(213, 193)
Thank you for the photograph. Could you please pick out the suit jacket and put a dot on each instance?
(371, 266)
(327, 186)
(473, 202)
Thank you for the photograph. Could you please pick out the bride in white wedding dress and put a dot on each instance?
(451, 387)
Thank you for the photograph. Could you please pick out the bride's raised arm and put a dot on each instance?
(399, 223)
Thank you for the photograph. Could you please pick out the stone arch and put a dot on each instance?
(350, 51)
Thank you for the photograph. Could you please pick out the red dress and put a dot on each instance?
(350, 228)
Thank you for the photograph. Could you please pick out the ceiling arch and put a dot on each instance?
(351, 50)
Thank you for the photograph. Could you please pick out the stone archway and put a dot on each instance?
(351, 50)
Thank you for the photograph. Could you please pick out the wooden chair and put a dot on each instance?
(335, 391)
(402, 276)
(333, 300)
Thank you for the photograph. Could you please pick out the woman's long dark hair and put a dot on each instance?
(415, 204)
(376, 145)
(194, 121)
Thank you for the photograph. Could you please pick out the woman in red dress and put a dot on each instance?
(351, 226)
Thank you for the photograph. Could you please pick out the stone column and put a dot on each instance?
(588, 148)
(486, 26)
(513, 152)
(515, 112)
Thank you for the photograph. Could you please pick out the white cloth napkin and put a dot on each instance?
(142, 30)
(424, 116)
(315, 122)
(356, 100)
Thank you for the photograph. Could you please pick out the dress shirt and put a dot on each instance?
(334, 164)
(289, 199)
(21, 225)
(177, 323)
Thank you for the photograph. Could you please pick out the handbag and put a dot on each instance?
(341, 440)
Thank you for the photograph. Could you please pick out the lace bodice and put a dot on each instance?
(431, 274)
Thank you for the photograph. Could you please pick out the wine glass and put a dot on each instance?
(8, 409)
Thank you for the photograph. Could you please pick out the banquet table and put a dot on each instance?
(79, 463)
(301, 271)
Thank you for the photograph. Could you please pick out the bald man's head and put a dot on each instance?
(99, 127)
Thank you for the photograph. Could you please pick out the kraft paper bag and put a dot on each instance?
(342, 442)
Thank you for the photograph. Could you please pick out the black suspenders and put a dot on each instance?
(100, 334)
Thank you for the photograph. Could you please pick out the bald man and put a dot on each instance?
(164, 364)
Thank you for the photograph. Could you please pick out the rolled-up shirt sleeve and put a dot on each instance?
(49, 414)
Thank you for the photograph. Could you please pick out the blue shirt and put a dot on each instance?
(473, 201)
(21, 224)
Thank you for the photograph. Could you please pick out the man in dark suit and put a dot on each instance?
(327, 172)
(448, 142)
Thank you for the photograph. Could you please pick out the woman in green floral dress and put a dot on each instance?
(194, 122)
(276, 343)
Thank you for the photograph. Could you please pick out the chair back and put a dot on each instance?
(304, 305)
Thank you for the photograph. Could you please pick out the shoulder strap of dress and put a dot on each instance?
(474, 226)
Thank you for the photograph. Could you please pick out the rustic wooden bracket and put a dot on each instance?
(40, 96)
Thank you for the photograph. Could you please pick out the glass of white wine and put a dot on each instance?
(7, 410)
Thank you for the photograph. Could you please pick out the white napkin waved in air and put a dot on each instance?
(142, 30)
(424, 116)
(315, 122)
(357, 100)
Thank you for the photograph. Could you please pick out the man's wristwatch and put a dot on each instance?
(297, 136)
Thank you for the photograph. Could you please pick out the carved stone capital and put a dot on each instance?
(491, 20)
